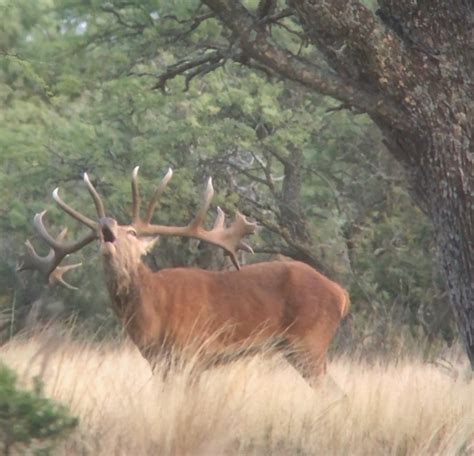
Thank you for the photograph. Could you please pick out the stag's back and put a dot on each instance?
(257, 302)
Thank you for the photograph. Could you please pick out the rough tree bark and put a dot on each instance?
(410, 67)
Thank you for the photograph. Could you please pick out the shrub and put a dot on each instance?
(28, 419)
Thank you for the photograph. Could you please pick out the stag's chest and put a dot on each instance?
(145, 320)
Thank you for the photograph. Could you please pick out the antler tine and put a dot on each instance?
(206, 202)
(244, 246)
(95, 196)
(43, 233)
(60, 237)
(219, 224)
(229, 238)
(57, 245)
(56, 275)
(72, 212)
(135, 196)
(48, 265)
(233, 235)
(156, 195)
(31, 260)
(220, 219)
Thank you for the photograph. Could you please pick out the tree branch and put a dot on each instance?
(370, 52)
(201, 64)
(120, 19)
(255, 42)
(247, 173)
(267, 171)
(194, 22)
(287, 12)
(286, 161)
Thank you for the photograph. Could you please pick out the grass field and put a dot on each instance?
(252, 407)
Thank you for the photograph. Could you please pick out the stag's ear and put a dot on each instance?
(147, 243)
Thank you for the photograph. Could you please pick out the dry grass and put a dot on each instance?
(252, 407)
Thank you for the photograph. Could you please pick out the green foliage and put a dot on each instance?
(29, 420)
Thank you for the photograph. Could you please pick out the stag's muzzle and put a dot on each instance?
(108, 229)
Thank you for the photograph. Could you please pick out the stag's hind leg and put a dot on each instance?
(308, 356)
(313, 369)
(310, 366)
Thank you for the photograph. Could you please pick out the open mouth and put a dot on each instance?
(107, 234)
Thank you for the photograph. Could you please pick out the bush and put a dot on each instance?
(28, 420)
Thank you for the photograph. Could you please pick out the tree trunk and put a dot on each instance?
(438, 151)
(440, 169)
(457, 263)
(451, 209)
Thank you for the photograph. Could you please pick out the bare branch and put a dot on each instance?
(287, 12)
(267, 170)
(197, 64)
(194, 22)
(285, 160)
(202, 71)
(247, 173)
(108, 9)
(300, 35)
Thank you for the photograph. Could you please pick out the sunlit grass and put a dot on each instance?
(251, 407)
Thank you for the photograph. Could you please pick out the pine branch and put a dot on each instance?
(256, 43)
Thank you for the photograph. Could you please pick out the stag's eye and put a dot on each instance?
(132, 232)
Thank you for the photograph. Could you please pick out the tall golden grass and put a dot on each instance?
(255, 406)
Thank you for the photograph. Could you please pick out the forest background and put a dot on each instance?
(80, 91)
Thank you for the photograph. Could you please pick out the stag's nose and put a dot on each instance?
(108, 229)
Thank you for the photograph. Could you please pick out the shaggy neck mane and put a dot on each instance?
(122, 275)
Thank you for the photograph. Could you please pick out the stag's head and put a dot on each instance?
(118, 240)
(121, 249)
(122, 246)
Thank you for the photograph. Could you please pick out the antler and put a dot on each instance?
(229, 238)
(77, 215)
(48, 265)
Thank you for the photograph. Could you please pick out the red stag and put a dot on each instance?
(286, 301)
